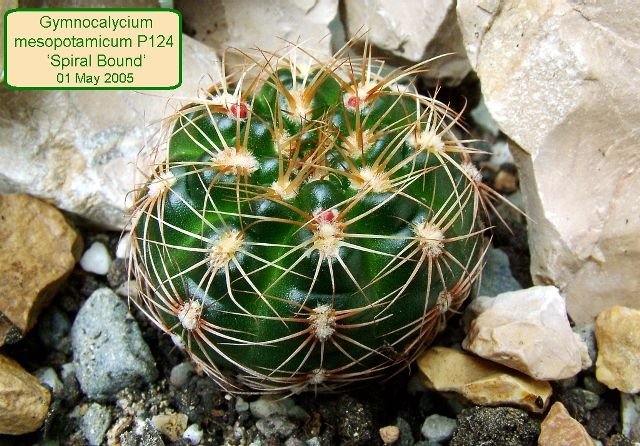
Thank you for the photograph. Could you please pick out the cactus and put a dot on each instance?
(310, 227)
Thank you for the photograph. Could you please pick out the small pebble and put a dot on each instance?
(172, 425)
(124, 246)
(438, 428)
(389, 434)
(264, 407)
(49, 378)
(181, 374)
(506, 180)
(193, 433)
(96, 259)
(241, 405)
(108, 349)
(630, 408)
(275, 426)
(95, 423)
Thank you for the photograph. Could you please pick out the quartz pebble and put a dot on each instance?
(618, 336)
(96, 259)
(559, 429)
(193, 433)
(527, 330)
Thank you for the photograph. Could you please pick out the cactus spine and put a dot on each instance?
(308, 229)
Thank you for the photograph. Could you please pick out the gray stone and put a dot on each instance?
(95, 423)
(496, 275)
(181, 373)
(406, 434)
(438, 428)
(275, 426)
(630, 408)
(264, 407)
(108, 349)
(241, 405)
(588, 336)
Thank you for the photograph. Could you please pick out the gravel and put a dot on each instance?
(500, 426)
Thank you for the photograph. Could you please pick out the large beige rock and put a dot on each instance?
(617, 333)
(413, 30)
(527, 330)
(38, 250)
(24, 402)
(561, 79)
(480, 381)
(78, 149)
(270, 26)
(559, 429)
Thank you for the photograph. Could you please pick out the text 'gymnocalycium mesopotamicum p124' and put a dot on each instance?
(310, 226)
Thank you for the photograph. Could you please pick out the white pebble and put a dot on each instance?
(96, 259)
(241, 405)
(438, 428)
(124, 246)
(128, 289)
(49, 378)
(181, 373)
(193, 433)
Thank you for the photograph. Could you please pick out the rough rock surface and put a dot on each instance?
(527, 330)
(559, 429)
(416, 31)
(108, 349)
(252, 24)
(480, 381)
(38, 250)
(576, 120)
(618, 336)
(78, 149)
(24, 402)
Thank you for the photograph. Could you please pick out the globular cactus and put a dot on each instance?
(310, 228)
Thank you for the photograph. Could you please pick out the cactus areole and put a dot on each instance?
(308, 229)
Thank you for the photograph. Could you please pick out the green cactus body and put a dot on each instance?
(309, 231)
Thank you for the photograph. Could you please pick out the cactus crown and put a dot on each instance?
(309, 228)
